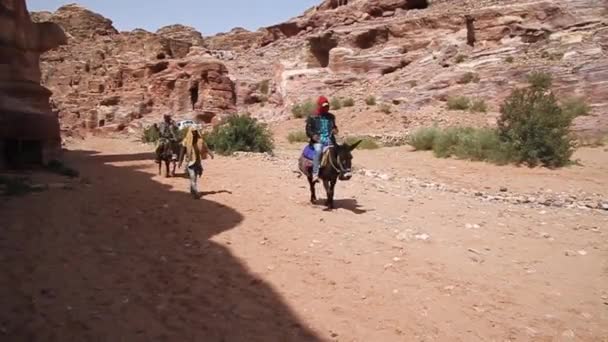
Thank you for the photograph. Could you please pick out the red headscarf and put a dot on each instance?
(320, 102)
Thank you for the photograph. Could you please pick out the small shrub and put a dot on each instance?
(150, 135)
(478, 144)
(366, 143)
(240, 133)
(385, 108)
(509, 59)
(575, 106)
(540, 80)
(297, 137)
(264, 87)
(348, 102)
(536, 127)
(459, 59)
(16, 186)
(370, 100)
(423, 139)
(468, 78)
(459, 103)
(304, 109)
(478, 106)
(335, 103)
(59, 168)
(446, 142)
(413, 83)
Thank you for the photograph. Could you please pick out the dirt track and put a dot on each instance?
(129, 256)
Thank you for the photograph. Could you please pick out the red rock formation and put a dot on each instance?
(108, 79)
(28, 127)
(181, 33)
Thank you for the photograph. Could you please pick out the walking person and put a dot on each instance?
(194, 150)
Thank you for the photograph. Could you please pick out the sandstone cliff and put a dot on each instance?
(410, 54)
(413, 55)
(106, 80)
(29, 130)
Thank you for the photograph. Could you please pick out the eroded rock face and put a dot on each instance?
(412, 54)
(108, 80)
(181, 33)
(25, 113)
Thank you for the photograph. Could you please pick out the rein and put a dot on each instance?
(331, 162)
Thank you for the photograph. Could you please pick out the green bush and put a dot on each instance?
(366, 143)
(540, 80)
(575, 106)
(423, 139)
(16, 186)
(478, 144)
(150, 135)
(536, 127)
(460, 58)
(264, 87)
(509, 59)
(348, 102)
(370, 100)
(478, 106)
(459, 103)
(240, 133)
(59, 168)
(297, 137)
(335, 103)
(446, 142)
(385, 108)
(468, 78)
(304, 109)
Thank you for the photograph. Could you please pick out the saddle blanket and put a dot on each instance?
(309, 151)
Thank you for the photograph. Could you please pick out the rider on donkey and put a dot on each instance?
(167, 135)
(321, 129)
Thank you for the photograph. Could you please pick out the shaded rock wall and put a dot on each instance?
(26, 118)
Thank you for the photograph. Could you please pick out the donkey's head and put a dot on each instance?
(345, 160)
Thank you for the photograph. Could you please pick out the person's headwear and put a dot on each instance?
(322, 104)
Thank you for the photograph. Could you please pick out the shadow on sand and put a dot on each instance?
(124, 258)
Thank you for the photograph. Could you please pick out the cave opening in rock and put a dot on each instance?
(470, 23)
(320, 48)
(371, 38)
(101, 123)
(21, 153)
(158, 67)
(416, 4)
(337, 3)
(194, 94)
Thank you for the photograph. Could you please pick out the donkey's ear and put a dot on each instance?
(354, 146)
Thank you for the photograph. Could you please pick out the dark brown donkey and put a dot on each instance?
(167, 154)
(339, 166)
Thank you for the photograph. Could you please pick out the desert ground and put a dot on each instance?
(122, 254)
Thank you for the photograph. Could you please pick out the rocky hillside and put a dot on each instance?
(411, 55)
(105, 79)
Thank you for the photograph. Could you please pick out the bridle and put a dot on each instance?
(340, 168)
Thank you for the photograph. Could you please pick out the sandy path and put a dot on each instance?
(128, 256)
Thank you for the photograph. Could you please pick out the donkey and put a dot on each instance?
(168, 153)
(339, 166)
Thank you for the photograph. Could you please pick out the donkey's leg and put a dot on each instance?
(330, 193)
(313, 194)
(167, 161)
(328, 201)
